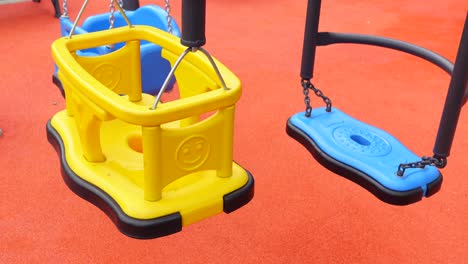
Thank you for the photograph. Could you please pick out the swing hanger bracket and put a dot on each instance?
(193, 37)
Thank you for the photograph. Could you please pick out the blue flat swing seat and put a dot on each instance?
(154, 68)
(364, 154)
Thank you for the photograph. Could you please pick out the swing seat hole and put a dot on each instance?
(134, 142)
(360, 140)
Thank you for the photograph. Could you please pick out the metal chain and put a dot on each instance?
(112, 15)
(168, 16)
(305, 91)
(439, 162)
(65, 8)
(306, 85)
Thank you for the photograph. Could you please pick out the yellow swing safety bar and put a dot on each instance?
(151, 170)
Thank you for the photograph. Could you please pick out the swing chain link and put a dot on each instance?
(112, 15)
(168, 16)
(305, 91)
(65, 8)
(439, 162)
(306, 85)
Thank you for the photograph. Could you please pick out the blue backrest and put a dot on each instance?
(150, 15)
(154, 67)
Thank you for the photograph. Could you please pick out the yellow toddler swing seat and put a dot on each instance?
(151, 171)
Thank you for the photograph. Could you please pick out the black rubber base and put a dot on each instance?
(58, 83)
(132, 227)
(359, 177)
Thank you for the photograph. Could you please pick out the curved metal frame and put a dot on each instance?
(83, 7)
(328, 38)
(458, 89)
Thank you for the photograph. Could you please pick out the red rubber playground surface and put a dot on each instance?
(301, 213)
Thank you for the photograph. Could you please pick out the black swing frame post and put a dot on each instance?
(131, 4)
(457, 92)
(456, 98)
(310, 39)
(55, 4)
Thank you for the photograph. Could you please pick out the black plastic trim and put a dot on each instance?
(58, 83)
(434, 187)
(132, 227)
(359, 177)
(239, 197)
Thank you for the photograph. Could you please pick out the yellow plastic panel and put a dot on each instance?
(196, 196)
(149, 161)
(119, 71)
(127, 111)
